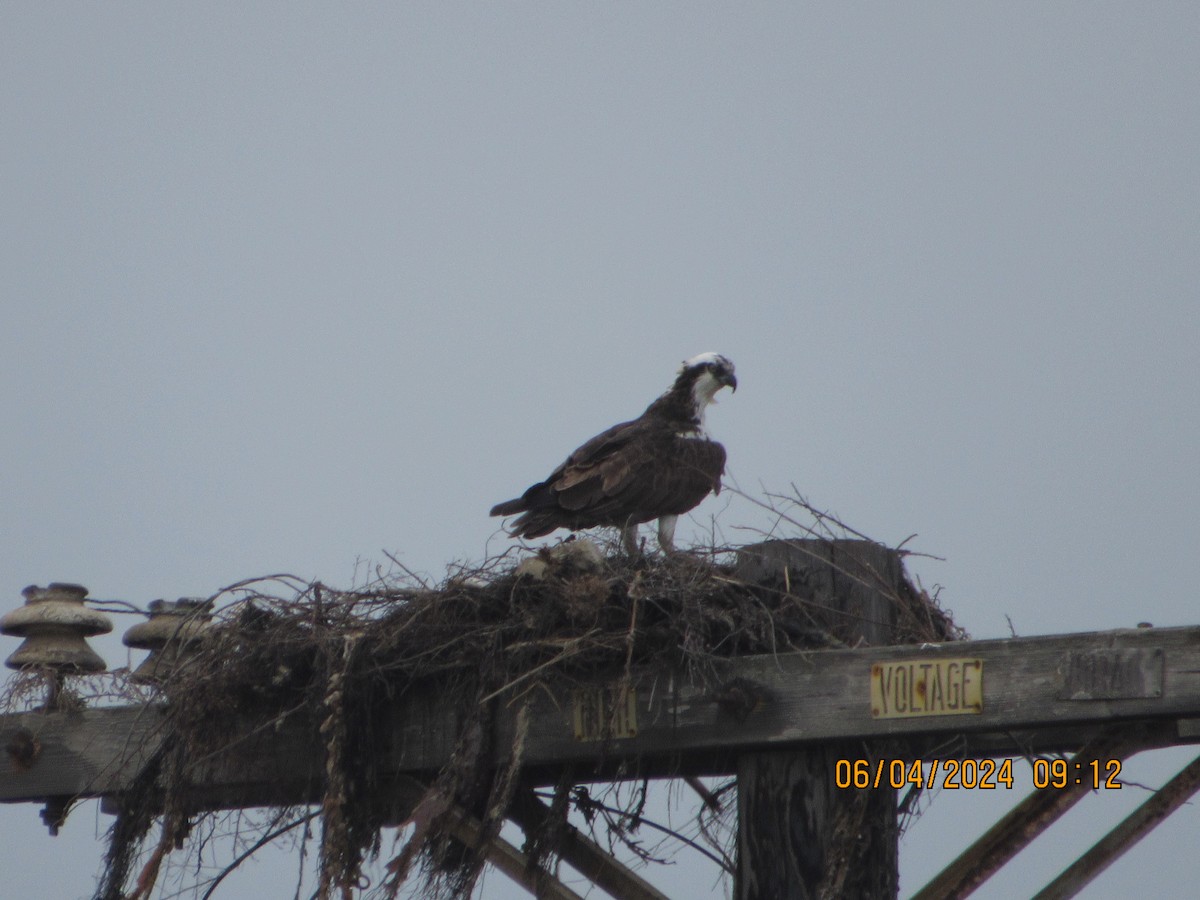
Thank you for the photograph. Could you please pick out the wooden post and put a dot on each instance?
(799, 837)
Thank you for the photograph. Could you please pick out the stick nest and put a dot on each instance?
(282, 650)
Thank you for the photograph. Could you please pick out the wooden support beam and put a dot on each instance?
(1039, 695)
(583, 854)
(468, 831)
(1132, 829)
(1055, 683)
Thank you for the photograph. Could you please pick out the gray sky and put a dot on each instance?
(288, 285)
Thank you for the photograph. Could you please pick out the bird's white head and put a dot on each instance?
(708, 373)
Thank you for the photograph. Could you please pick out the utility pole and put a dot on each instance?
(799, 836)
(788, 724)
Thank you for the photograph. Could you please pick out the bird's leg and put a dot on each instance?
(666, 533)
(629, 539)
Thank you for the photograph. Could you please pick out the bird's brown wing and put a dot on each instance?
(633, 472)
(599, 471)
(659, 474)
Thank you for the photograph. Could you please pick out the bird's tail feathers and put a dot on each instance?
(509, 507)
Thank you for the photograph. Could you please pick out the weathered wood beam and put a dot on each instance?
(1032, 687)
(88, 753)
(469, 831)
(1059, 684)
(582, 853)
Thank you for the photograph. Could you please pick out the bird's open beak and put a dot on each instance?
(731, 381)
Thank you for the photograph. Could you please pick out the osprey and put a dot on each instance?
(657, 466)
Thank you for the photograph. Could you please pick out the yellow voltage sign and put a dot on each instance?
(599, 714)
(925, 687)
